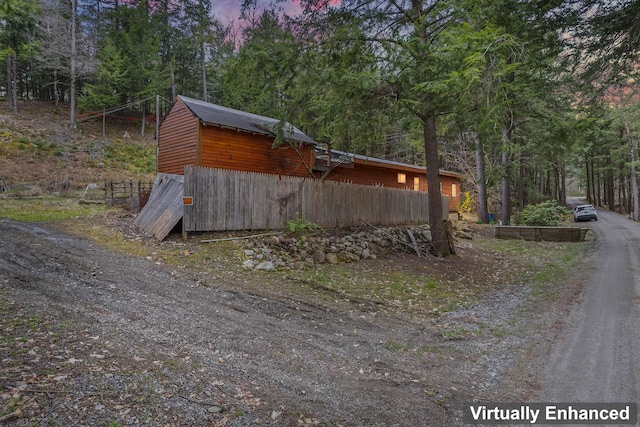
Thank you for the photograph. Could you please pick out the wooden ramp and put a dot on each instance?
(164, 208)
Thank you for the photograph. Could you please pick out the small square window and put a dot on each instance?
(416, 184)
(402, 178)
(454, 191)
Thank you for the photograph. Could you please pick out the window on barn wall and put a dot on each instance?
(416, 184)
(402, 178)
(454, 191)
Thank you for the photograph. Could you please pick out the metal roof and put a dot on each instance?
(217, 115)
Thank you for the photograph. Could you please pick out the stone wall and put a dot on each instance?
(288, 251)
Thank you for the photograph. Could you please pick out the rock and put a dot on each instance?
(266, 265)
(464, 235)
(365, 253)
(320, 256)
(348, 257)
(249, 252)
(332, 258)
(248, 264)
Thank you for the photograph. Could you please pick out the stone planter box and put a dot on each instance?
(541, 234)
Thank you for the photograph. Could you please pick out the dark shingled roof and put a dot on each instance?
(217, 115)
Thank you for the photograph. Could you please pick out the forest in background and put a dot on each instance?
(527, 99)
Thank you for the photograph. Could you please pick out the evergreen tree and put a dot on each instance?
(17, 41)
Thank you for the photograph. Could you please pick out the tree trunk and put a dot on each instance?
(9, 84)
(482, 183)
(174, 90)
(12, 90)
(599, 188)
(14, 86)
(72, 76)
(438, 234)
(634, 177)
(611, 194)
(520, 188)
(593, 185)
(588, 169)
(506, 182)
(205, 94)
(556, 186)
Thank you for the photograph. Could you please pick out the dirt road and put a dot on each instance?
(597, 358)
(111, 339)
(89, 336)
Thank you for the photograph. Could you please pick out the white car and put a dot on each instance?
(585, 213)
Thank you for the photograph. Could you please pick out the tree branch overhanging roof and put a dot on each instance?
(217, 115)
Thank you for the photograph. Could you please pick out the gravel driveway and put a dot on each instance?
(597, 357)
(94, 337)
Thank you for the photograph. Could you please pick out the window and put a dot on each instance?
(454, 191)
(402, 178)
(416, 184)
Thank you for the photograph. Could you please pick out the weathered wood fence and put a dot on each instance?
(217, 199)
(131, 195)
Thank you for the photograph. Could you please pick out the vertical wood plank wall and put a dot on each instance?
(234, 200)
(177, 140)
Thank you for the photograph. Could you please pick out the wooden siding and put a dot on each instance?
(387, 176)
(232, 200)
(177, 140)
(447, 182)
(243, 151)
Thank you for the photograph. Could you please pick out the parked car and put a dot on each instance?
(585, 213)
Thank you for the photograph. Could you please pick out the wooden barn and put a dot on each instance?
(197, 133)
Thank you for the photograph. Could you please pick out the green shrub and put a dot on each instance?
(299, 225)
(548, 213)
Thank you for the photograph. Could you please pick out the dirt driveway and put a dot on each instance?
(597, 358)
(94, 337)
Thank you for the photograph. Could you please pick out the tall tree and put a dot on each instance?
(199, 19)
(404, 36)
(17, 25)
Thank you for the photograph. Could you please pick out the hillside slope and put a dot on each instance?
(39, 151)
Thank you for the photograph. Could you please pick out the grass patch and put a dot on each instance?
(47, 208)
(131, 157)
(418, 287)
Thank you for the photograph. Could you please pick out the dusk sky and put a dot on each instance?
(226, 10)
